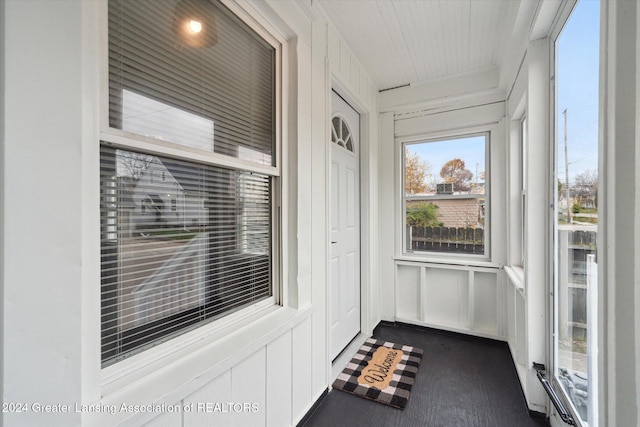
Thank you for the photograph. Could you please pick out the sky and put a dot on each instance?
(577, 77)
(470, 149)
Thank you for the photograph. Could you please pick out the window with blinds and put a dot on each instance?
(185, 241)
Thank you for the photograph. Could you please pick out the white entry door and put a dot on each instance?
(345, 225)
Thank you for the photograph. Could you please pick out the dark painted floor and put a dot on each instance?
(462, 381)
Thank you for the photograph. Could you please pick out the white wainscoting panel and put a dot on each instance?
(273, 385)
(217, 391)
(248, 385)
(486, 290)
(279, 381)
(169, 419)
(516, 326)
(302, 348)
(511, 317)
(408, 299)
(447, 298)
(459, 298)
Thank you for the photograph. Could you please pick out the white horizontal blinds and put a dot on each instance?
(182, 244)
(218, 98)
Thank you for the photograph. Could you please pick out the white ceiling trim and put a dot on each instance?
(442, 91)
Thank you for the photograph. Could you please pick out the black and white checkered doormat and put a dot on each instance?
(386, 375)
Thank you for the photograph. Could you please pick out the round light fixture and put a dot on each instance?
(195, 26)
(194, 22)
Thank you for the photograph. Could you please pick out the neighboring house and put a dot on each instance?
(461, 212)
(456, 209)
(158, 194)
(586, 198)
(564, 203)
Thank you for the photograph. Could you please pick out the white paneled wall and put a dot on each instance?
(270, 387)
(447, 292)
(446, 299)
(486, 293)
(457, 298)
(287, 375)
(515, 327)
(166, 420)
(302, 393)
(352, 82)
(279, 363)
(347, 70)
(279, 382)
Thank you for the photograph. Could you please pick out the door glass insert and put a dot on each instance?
(341, 133)
(576, 219)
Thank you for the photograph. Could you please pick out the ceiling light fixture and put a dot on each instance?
(195, 26)
(194, 22)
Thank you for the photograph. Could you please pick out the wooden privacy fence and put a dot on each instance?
(582, 239)
(446, 239)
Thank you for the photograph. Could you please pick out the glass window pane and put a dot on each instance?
(523, 191)
(183, 243)
(576, 194)
(178, 251)
(215, 94)
(445, 190)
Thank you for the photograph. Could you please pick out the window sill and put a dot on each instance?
(516, 276)
(192, 365)
(139, 365)
(448, 261)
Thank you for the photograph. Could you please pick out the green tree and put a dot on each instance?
(575, 208)
(423, 214)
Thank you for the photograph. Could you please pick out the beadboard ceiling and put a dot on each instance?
(404, 42)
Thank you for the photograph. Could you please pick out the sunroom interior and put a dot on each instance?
(229, 196)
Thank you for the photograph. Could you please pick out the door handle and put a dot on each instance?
(333, 242)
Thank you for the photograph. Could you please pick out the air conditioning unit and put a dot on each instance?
(446, 188)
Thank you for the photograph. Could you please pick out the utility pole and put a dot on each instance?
(477, 174)
(566, 167)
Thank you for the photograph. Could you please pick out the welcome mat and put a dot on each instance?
(381, 371)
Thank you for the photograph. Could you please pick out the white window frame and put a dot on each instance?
(562, 18)
(516, 196)
(523, 189)
(516, 188)
(119, 374)
(452, 257)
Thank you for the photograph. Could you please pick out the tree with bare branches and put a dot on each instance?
(132, 165)
(585, 189)
(416, 173)
(455, 172)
